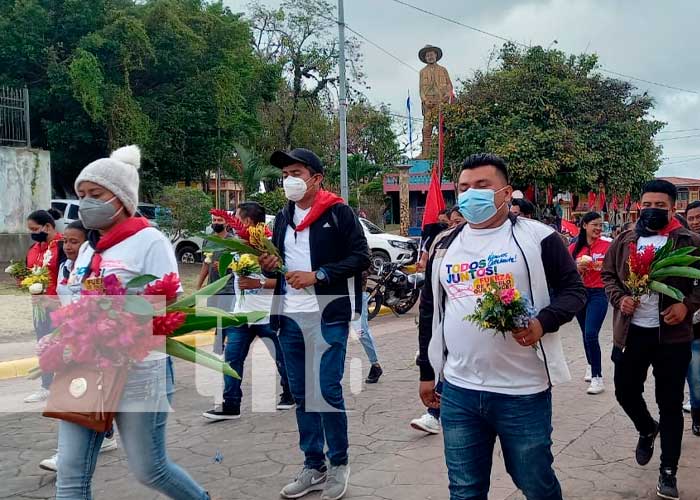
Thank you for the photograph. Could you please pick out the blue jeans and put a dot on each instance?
(314, 353)
(694, 375)
(238, 341)
(43, 328)
(142, 435)
(590, 319)
(471, 421)
(361, 326)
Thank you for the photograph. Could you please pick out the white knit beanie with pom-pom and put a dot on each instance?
(119, 174)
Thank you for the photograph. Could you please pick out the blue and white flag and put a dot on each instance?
(410, 123)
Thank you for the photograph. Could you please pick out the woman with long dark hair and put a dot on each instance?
(589, 252)
(43, 253)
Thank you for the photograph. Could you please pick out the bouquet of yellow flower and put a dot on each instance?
(245, 265)
(36, 283)
(259, 238)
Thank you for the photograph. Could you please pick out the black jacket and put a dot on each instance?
(338, 245)
(567, 294)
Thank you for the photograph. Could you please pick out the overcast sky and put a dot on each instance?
(646, 39)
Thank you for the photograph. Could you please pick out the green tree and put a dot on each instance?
(556, 121)
(273, 201)
(180, 78)
(187, 211)
(250, 171)
(300, 37)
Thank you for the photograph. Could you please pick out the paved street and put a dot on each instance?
(594, 442)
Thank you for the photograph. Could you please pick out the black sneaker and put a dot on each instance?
(667, 487)
(286, 402)
(374, 373)
(225, 412)
(645, 446)
(695, 414)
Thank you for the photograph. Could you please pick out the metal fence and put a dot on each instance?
(14, 117)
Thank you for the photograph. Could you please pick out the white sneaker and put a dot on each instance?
(109, 444)
(589, 374)
(37, 397)
(50, 464)
(596, 386)
(686, 407)
(426, 423)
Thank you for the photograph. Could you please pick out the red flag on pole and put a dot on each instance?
(569, 227)
(591, 200)
(614, 203)
(434, 201)
(601, 201)
(627, 202)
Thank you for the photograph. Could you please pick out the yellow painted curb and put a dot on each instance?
(21, 367)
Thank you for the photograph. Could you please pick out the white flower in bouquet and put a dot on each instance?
(36, 288)
(585, 259)
(9, 268)
(47, 259)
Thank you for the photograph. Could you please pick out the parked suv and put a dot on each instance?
(385, 247)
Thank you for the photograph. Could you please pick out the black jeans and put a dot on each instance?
(670, 366)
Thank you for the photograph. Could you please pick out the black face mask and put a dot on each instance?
(218, 228)
(654, 218)
(40, 237)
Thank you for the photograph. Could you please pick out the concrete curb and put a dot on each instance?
(17, 368)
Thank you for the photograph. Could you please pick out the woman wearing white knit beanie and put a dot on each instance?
(126, 246)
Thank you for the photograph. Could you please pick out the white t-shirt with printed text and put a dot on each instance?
(477, 359)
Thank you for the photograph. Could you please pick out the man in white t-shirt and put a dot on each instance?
(493, 385)
(325, 252)
(253, 294)
(655, 330)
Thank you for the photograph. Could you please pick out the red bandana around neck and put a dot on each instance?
(117, 234)
(323, 201)
(670, 227)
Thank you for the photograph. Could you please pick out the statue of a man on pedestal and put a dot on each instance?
(435, 89)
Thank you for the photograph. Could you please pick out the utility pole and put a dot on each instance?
(342, 104)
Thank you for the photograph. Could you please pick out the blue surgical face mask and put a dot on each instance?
(478, 205)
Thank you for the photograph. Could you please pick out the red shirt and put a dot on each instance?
(35, 257)
(592, 275)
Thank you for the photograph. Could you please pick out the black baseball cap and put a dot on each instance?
(306, 157)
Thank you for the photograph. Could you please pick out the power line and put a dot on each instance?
(676, 138)
(505, 39)
(376, 45)
(678, 131)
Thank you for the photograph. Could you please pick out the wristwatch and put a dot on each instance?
(262, 281)
(321, 276)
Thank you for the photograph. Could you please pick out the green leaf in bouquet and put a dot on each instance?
(676, 272)
(198, 356)
(664, 251)
(667, 290)
(678, 260)
(207, 291)
(232, 245)
(207, 318)
(225, 261)
(136, 304)
(141, 281)
(680, 252)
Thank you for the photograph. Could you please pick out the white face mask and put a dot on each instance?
(294, 188)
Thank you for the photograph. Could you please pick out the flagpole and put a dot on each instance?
(410, 125)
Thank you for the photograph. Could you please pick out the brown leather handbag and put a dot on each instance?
(87, 395)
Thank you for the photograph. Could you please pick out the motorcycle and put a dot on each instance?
(395, 288)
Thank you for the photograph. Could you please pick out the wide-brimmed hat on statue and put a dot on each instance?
(428, 48)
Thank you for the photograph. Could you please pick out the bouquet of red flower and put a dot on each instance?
(648, 267)
(110, 328)
(501, 309)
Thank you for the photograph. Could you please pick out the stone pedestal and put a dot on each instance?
(404, 209)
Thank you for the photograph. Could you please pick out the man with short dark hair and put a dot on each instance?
(324, 249)
(654, 330)
(444, 216)
(495, 386)
(254, 294)
(521, 207)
